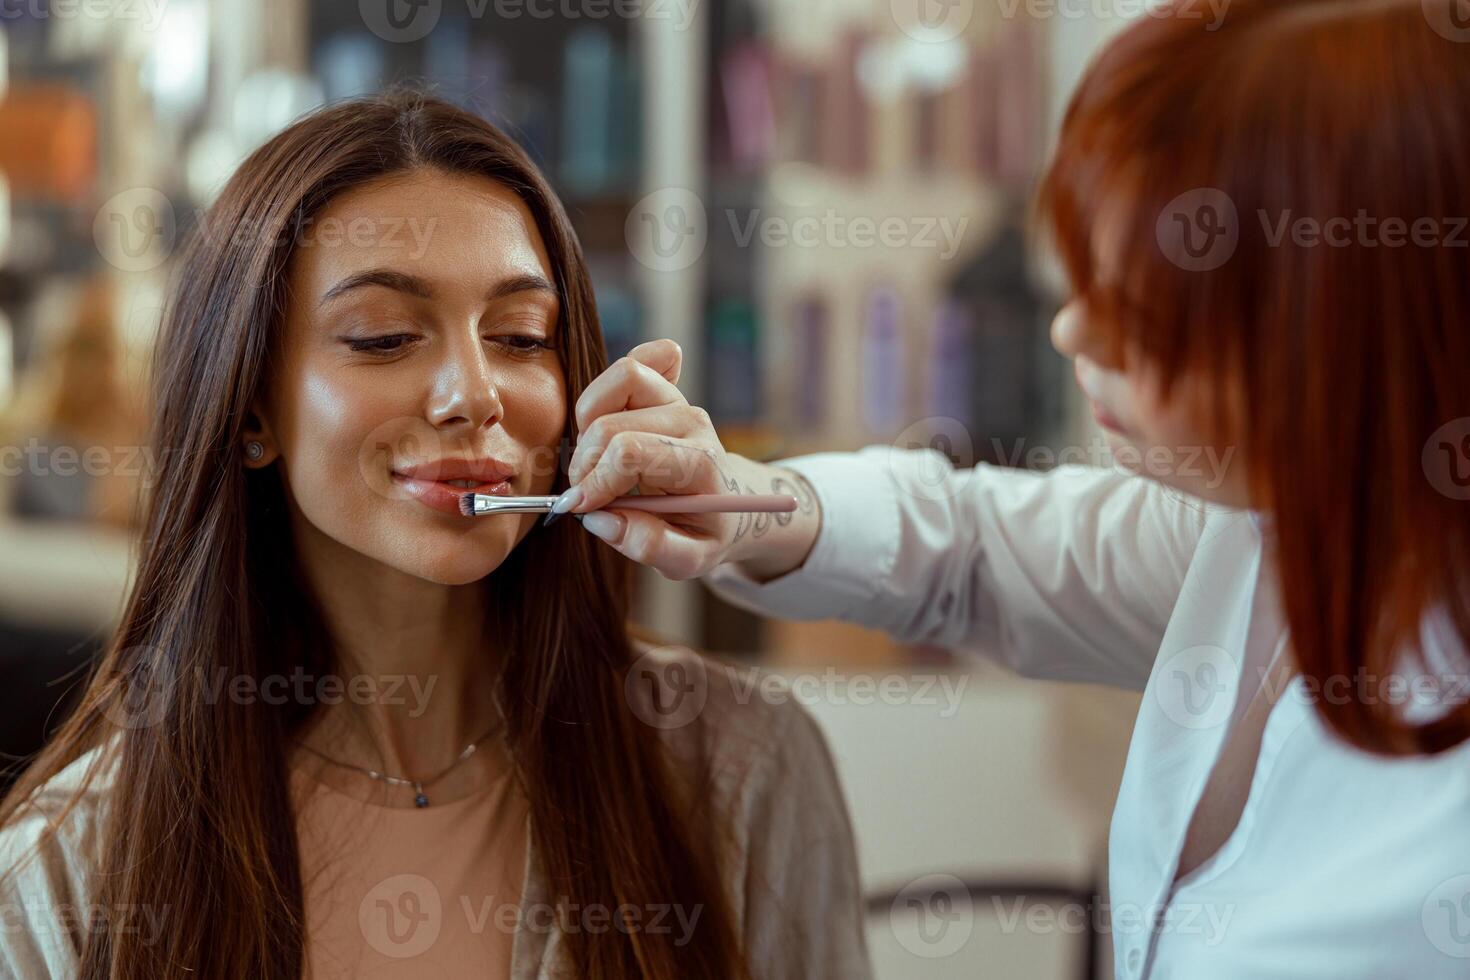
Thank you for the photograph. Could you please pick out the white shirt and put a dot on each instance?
(1343, 864)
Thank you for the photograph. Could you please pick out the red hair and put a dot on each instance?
(1346, 356)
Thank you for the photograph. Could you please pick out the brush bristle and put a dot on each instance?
(467, 504)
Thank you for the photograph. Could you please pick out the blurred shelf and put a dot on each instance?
(63, 576)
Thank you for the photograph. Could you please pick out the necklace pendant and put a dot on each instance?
(419, 799)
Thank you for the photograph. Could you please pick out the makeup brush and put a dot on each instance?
(480, 504)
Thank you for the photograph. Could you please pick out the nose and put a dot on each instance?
(1067, 330)
(1075, 335)
(466, 391)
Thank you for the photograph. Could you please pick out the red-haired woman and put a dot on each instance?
(1265, 228)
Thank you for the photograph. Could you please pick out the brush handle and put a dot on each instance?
(706, 503)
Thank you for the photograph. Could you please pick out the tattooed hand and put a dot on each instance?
(637, 430)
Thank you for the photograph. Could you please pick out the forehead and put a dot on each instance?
(451, 229)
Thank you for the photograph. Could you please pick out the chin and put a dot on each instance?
(1117, 442)
(449, 557)
(453, 569)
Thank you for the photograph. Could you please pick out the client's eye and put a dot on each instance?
(390, 344)
(524, 344)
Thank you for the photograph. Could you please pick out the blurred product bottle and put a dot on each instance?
(447, 56)
(84, 458)
(750, 112)
(845, 112)
(7, 361)
(350, 65)
(983, 82)
(1019, 109)
(883, 361)
(799, 117)
(48, 141)
(948, 379)
(589, 84)
(810, 360)
(1006, 89)
(1017, 382)
(732, 355)
(617, 308)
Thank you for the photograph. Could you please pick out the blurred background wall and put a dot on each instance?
(823, 201)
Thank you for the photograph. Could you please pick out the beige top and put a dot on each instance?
(451, 890)
(394, 893)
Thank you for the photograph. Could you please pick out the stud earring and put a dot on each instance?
(254, 450)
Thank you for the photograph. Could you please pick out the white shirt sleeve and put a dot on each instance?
(1070, 575)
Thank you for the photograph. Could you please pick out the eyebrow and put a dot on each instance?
(403, 282)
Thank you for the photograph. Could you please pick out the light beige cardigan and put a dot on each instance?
(794, 881)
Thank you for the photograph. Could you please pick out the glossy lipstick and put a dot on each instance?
(440, 484)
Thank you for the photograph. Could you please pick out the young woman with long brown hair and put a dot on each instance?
(344, 731)
(1264, 220)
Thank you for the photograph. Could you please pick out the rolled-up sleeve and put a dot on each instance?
(1071, 574)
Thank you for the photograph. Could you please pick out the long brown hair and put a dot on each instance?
(199, 815)
(1350, 353)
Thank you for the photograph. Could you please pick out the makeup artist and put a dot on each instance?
(1299, 627)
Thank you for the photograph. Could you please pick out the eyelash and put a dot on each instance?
(369, 345)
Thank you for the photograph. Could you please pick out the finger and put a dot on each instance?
(651, 541)
(626, 384)
(648, 460)
(680, 421)
(664, 356)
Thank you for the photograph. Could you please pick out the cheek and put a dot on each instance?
(535, 417)
(1172, 422)
(327, 427)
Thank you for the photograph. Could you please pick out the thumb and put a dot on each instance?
(663, 355)
(648, 540)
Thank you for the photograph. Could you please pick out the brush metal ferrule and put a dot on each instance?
(489, 504)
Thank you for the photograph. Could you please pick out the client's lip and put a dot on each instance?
(439, 484)
(1100, 414)
(1105, 418)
